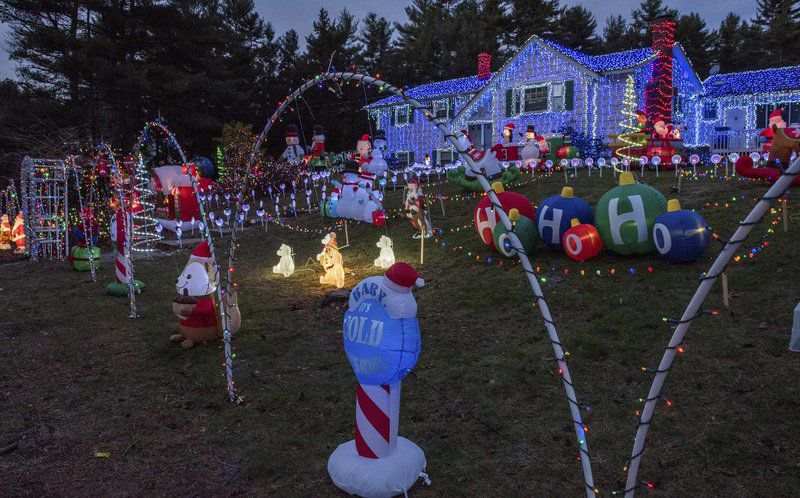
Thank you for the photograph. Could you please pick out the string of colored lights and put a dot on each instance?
(628, 123)
(145, 234)
(693, 310)
(443, 127)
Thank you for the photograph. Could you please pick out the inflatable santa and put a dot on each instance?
(363, 148)
(5, 233)
(382, 342)
(487, 161)
(294, 152)
(767, 134)
(195, 305)
(18, 234)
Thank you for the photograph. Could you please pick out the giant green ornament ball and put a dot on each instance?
(625, 216)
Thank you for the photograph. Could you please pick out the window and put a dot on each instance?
(709, 111)
(481, 134)
(402, 115)
(791, 113)
(404, 157)
(440, 108)
(534, 99)
(557, 91)
(444, 156)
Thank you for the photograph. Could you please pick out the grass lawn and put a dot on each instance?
(79, 379)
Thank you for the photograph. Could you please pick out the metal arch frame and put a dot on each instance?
(443, 126)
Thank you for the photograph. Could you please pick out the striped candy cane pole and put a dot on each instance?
(121, 269)
(377, 420)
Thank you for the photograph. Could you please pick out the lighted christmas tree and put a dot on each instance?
(630, 129)
(222, 170)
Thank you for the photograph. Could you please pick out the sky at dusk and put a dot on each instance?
(299, 14)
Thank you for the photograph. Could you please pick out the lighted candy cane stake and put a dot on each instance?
(691, 312)
(444, 128)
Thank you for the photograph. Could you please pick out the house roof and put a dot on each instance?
(438, 89)
(608, 62)
(596, 63)
(751, 82)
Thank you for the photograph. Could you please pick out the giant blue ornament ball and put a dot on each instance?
(555, 214)
(382, 350)
(680, 235)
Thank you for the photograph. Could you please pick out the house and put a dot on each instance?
(735, 107)
(552, 87)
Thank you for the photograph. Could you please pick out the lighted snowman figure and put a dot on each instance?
(382, 342)
(294, 152)
(379, 142)
(286, 265)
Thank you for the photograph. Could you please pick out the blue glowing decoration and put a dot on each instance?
(753, 82)
(382, 350)
(681, 236)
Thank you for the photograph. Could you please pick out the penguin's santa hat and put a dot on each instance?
(401, 277)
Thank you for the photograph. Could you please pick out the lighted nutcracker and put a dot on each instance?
(382, 341)
(417, 210)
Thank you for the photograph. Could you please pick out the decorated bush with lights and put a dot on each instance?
(625, 216)
(680, 235)
(555, 214)
(486, 218)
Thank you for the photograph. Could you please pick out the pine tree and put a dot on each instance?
(643, 18)
(628, 125)
(617, 35)
(696, 41)
(575, 29)
(531, 17)
(777, 26)
(376, 39)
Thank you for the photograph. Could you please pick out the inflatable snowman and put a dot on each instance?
(382, 342)
(530, 151)
(355, 198)
(195, 304)
(379, 142)
(377, 164)
(294, 152)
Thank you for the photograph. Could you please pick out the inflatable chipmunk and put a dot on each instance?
(196, 304)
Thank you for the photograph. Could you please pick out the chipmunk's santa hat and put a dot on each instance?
(401, 277)
(201, 253)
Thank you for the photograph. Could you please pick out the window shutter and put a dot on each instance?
(509, 101)
(569, 95)
(451, 108)
(410, 114)
(410, 158)
(391, 114)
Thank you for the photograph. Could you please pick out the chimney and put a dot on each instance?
(484, 66)
(658, 94)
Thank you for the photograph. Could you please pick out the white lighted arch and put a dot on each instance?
(443, 126)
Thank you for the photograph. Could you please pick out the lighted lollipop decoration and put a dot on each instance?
(524, 227)
(681, 235)
(625, 216)
(382, 342)
(554, 215)
(486, 218)
(582, 241)
(694, 159)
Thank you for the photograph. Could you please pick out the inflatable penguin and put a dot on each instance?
(294, 152)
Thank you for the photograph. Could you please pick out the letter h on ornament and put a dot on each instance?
(554, 224)
(636, 215)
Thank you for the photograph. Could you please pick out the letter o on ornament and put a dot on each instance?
(662, 238)
(572, 244)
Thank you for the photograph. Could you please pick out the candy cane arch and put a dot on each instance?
(124, 261)
(223, 308)
(692, 311)
(443, 126)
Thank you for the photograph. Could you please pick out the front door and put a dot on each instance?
(735, 119)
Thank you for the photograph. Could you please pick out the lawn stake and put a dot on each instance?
(424, 232)
(691, 312)
(785, 204)
(441, 203)
(725, 297)
(346, 234)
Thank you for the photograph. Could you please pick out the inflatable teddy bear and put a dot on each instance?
(196, 306)
(331, 261)
(386, 257)
(5, 233)
(286, 264)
